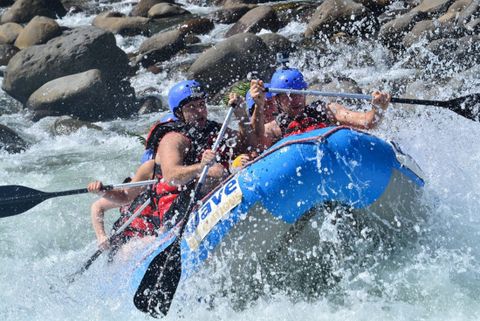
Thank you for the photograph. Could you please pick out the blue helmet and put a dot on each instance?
(184, 92)
(288, 79)
(250, 102)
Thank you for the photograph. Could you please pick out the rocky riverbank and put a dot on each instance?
(52, 69)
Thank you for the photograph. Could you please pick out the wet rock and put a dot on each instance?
(294, 11)
(454, 10)
(277, 43)
(118, 23)
(164, 10)
(6, 53)
(198, 26)
(228, 15)
(192, 39)
(9, 32)
(149, 104)
(473, 26)
(253, 21)
(142, 8)
(376, 6)
(23, 11)
(169, 23)
(422, 29)
(11, 141)
(66, 125)
(75, 51)
(38, 31)
(340, 15)
(160, 47)
(85, 96)
(433, 6)
(393, 31)
(231, 60)
(470, 13)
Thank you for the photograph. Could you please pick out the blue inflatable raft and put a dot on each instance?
(265, 210)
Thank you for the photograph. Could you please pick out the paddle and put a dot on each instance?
(464, 106)
(159, 284)
(112, 239)
(16, 199)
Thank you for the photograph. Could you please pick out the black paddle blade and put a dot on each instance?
(467, 106)
(16, 199)
(157, 288)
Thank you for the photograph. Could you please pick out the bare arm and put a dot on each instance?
(125, 196)
(246, 135)
(363, 120)
(171, 154)
(97, 211)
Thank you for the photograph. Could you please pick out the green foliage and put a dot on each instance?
(239, 88)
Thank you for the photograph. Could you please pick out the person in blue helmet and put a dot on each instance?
(295, 117)
(182, 150)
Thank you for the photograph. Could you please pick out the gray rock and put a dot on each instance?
(393, 31)
(228, 15)
(160, 47)
(85, 96)
(6, 53)
(340, 15)
(198, 26)
(164, 10)
(253, 21)
(455, 10)
(142, 8)
(75, 51)
(38, 31)
(9, 32)
(422, 29)
(149, 104)
(11, 141)
(433, 6)
(231, 60)
(23, 11)
(66, 125)
(294, 11)
(277, 43)
(125, 26)
(376, 6)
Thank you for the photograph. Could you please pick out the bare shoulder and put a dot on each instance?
(173, 139)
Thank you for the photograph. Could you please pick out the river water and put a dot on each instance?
(438, 279)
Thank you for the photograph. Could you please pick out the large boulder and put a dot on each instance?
(141, 9)
(9, 32)
(85, 96)
(231, 60)
(6, 53)
(38, 31)
(11, 141)
(118, 23)
(160, 47)
(262, 17)
(23, 11)
(164, 10)
(340, 15)
(75, 51)
(277, 43)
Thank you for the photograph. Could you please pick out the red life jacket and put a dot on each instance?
(313, 117)
(162, 194)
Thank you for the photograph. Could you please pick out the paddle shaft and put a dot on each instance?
(357, 96)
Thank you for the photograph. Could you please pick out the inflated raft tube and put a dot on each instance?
(254, 210)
